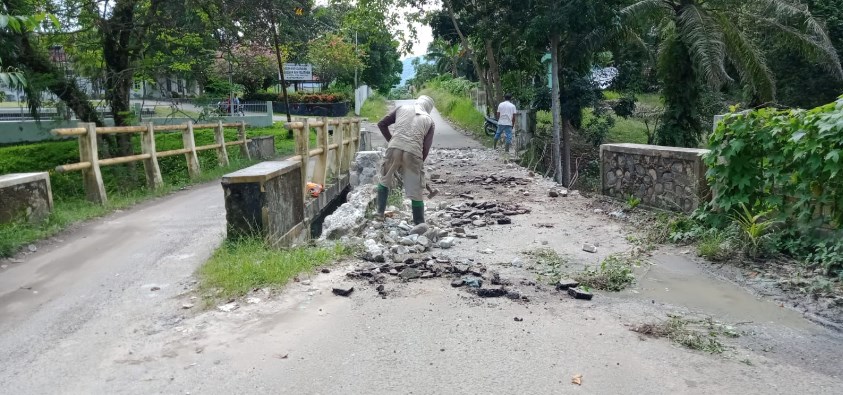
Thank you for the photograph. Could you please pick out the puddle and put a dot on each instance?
(679, 281)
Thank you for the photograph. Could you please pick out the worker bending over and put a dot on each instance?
(408, 147)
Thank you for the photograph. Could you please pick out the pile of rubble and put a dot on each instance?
(464, 273)
(480, 214)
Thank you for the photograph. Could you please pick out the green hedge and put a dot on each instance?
(460, 110)
(787, 161)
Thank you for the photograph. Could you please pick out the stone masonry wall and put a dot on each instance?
(25, 196)
(670, 178)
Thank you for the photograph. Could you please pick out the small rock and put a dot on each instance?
(447, 242)
(32, 248)
(504, 221)
(487, 251)
(253, 300)
(187, 306)
(598, 211)
(343, 291)
(471, 236)
(3, 266)
(589, 248)
(459, 230)
(517, 262)
(544, 242)
(228, 307)
(553, 193)
(526, 193)
(517, 319)
(408, 241)
(513, 295)
(400, 250)
(566, 283)
(409, 274)
(473, 282)
(393, 272)
(420, 229)
(577, 293)
(423, 241)
(491, 292)
(153, 289)
(458, 283)
(618, 214)
(326, 270)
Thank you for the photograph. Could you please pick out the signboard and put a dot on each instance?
(298, 72)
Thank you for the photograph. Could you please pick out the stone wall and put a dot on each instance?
(664, 177)
(25, 196)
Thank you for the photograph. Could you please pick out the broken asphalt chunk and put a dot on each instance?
(343, 291)
(458, 283)
(589, 248)
(491, 292)
(566, 283)
(577, 293)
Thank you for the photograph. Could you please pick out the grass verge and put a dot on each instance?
(613, 274)
(241, 266)
(460, 111)
(374, 108)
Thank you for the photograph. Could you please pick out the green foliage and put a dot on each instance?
(458, 109)
(625, 106)
(786, 161)
(333, 57)
(336, 97)
(632, 202)
(374, 108)
(754, 227)
(240, 266)
(613, 274)
(828, 256)
(715, 244)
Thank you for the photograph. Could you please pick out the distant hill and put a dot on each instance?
(409, 70)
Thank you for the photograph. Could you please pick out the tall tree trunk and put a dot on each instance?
(277, 44)
(481, 73)
(556, 107)
(567, 130)
(494, 72)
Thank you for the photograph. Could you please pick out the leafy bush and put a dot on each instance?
(790, 162)
(336, 97)
(613, 274)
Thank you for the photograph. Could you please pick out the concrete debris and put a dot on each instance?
(187, 306)
(447, 242)
(343, 291)
(589, 248)
(491, 292)
(518, 319)
(420, 229)
(618, 214)
(553, 193)
(349, 218)
(228, 307)
(409, 274)
(487, 251)
(566, 283)
(326, 270)
(253, 300)
(32, 248)
(598, 211)
(457, 283)
(364, 169)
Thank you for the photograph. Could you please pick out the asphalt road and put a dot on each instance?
(85, 315)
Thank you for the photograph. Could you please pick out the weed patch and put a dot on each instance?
(240, 266)
(613, 274)
(701, 335)
(549, 264)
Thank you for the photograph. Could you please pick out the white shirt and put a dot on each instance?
(507, 113)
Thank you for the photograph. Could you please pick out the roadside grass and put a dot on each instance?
(374, 108)
(460, 111)
(124, 190)
(613, 274)
(549, 265)
(167, 111)
(701, 335)
(240, 266)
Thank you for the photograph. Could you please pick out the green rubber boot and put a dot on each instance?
(383, 195)
(418, 212)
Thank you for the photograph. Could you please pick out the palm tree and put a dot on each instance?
(701, 40)
(446, 56)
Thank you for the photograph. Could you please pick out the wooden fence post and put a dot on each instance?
(150, 165)
(338, 153)
(91, 177)
(222, 153)
(303, 151)
(347, 149)
(191, 157)
(241, 134)
(355, 138)
(320, 172)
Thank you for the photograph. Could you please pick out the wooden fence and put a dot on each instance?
(90, 163)
(344, 144)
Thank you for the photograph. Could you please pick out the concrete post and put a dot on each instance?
(191, 157)
(222, 153)
(320, 172)
(269, 111)
(91, 177)
(150, 165)
(339, 154)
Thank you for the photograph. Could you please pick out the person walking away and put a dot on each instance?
(405, 155)
(237, 109)
(506, 118)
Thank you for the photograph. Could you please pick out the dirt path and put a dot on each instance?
(100, 328)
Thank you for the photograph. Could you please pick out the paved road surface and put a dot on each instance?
(80, 317)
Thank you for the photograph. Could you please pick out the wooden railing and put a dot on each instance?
(344, 144)
(90, 163)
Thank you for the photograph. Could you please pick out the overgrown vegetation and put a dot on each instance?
(241, 266)
(549, 265)
(452, 101)
(701, 335)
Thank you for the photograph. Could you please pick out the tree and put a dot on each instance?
(332, 58)
(702, 40)
(446, 56)
(252, 67)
